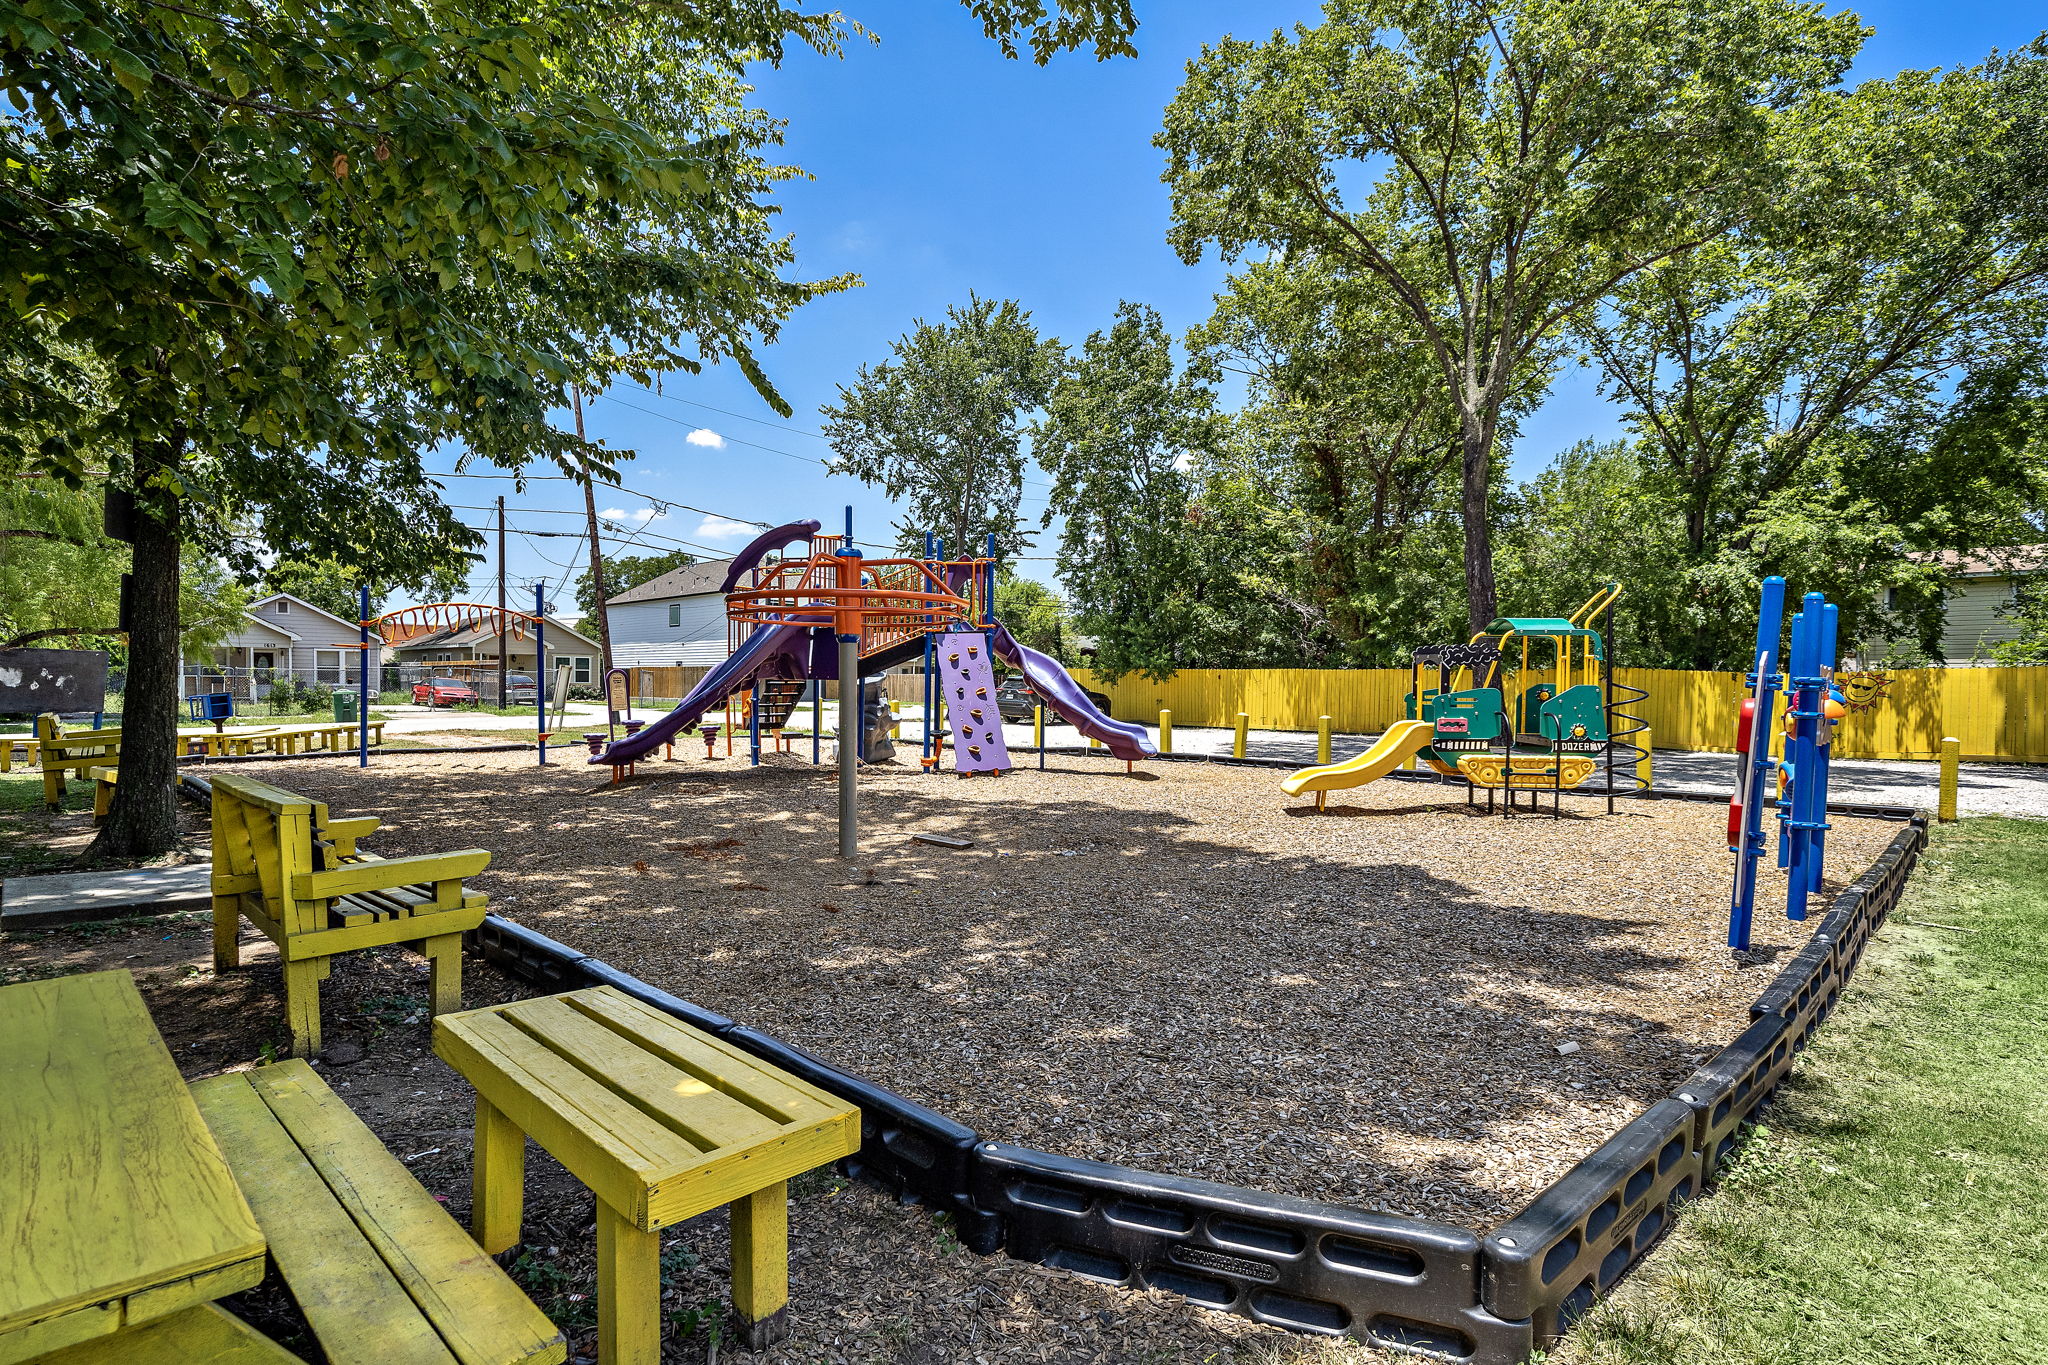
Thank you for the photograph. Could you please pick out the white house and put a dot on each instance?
(674, 621)
(279, 635)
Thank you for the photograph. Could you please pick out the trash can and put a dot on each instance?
(344, 707)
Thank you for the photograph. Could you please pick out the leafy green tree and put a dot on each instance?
(1364, 443)
(1248, 606)
(1877, 328)
(628, 571)
(326, 584)
(299, 247)
(1601, 514)
(1520, 161)
(940, 426)
(1121, 434)
(1108, 25)
(1034, 614)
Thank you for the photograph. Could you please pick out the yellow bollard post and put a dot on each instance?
(1951, 771)
(1237, 744)
(1165, 731)
(1322, 739)
(1644, 767)
(1038, 728)
(895, 719)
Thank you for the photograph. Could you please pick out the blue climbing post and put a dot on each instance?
(1754, 777)
(363, 680)
(1808, 811)
(1823, 754)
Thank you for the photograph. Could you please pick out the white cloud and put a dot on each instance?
(640, 517)
(705, 436)
(724, 528)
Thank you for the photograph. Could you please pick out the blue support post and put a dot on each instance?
(363, 680)
(817, 716)
(988, 595)
(1754, 778)
(754, 724)
(540, 681)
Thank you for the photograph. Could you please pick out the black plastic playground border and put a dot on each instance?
(1407, 1284)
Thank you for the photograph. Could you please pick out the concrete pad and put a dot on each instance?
(72, 897)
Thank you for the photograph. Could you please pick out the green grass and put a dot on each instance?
(23, 850)
(1895, 1209)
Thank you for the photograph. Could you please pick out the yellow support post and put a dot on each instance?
(1038, 727)
(1322, 739)
(1237, 745)
(1951, 772)
(1644, 765)
(1165, 731)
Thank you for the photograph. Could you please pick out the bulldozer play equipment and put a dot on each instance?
(1528, 705)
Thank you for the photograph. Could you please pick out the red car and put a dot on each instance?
(442, 692)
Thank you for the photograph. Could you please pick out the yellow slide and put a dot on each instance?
(1386, 754)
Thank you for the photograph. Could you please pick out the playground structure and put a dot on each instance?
(1529, 704)
(833, 615)
(409, 623)
(1813, 707)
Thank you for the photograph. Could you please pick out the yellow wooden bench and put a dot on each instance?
(382, 1273)
(294, 873)
(206, 1335)
(62, 751)
(103, 782)
(662, 1122)
(30, 747)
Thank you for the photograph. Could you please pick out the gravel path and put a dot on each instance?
(1173, 970)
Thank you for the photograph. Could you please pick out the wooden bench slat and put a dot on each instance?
(206, 1335)
(691, 1106)
(475, 1308)
(745, 1078)
(384, 872)
(343, 1287)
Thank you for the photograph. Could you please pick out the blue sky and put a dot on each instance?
(941, 168)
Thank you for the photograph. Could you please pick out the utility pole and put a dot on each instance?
(504, 633)
(597, 598)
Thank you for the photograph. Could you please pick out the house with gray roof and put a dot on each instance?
(674, 621)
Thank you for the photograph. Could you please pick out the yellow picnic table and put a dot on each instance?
(116, 1207)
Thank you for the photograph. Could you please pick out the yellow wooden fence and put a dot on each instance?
(1999, 714)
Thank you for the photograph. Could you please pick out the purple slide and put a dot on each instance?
(1064, 697)
(771, 651)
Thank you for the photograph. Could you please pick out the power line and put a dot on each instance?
(809, 459)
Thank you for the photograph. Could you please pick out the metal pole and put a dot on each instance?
(504, 634)
(598, 606)
(363, 681)
(930, 656)
(817, 716)
(754, 724)
(1607, 695)
(849, 727)
(540, 677)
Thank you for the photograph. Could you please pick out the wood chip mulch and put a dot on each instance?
(1181, 971)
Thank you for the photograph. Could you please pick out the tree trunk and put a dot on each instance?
(1482, 596)
(143, 820)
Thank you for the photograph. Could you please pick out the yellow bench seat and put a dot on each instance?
(382, 1273)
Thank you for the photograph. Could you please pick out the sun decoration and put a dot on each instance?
(1863, 691)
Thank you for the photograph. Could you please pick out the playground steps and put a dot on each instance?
(779, 697)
